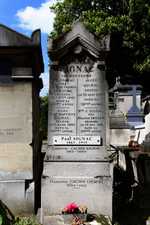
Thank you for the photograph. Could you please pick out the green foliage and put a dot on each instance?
(137, 34)
(102, 24)
(6, 217)
(93, 13)
(25, 221)
(128, 18)
(1, 220)
(44, 116)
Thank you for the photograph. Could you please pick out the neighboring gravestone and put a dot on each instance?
(20, 66)
(76, 166)
(128, 115)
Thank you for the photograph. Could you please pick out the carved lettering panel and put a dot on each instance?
(76, 108)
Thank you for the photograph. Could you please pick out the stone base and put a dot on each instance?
(68, 218)
(18, 200)
(63, 219)
(88, 184)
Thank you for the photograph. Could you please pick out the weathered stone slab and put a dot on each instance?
(16, 113)
(77, 102)
(85, 183)
(14, 129)
(15, 161)
(77, 113)
(76, 153)
(95, 193)
(89, 184)
(72, 169)
(14, 195)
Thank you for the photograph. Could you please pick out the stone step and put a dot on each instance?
(53, 220)
(64, 220)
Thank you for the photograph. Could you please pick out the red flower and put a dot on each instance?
(70, 208)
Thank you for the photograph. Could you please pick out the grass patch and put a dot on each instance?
(25, 221)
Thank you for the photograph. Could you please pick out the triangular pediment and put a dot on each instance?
(11, 38)
(79, 35)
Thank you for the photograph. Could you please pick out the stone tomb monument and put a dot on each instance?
(21, 64)
(76, 167)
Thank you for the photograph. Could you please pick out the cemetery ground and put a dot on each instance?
(7, 218)
(128, 214)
